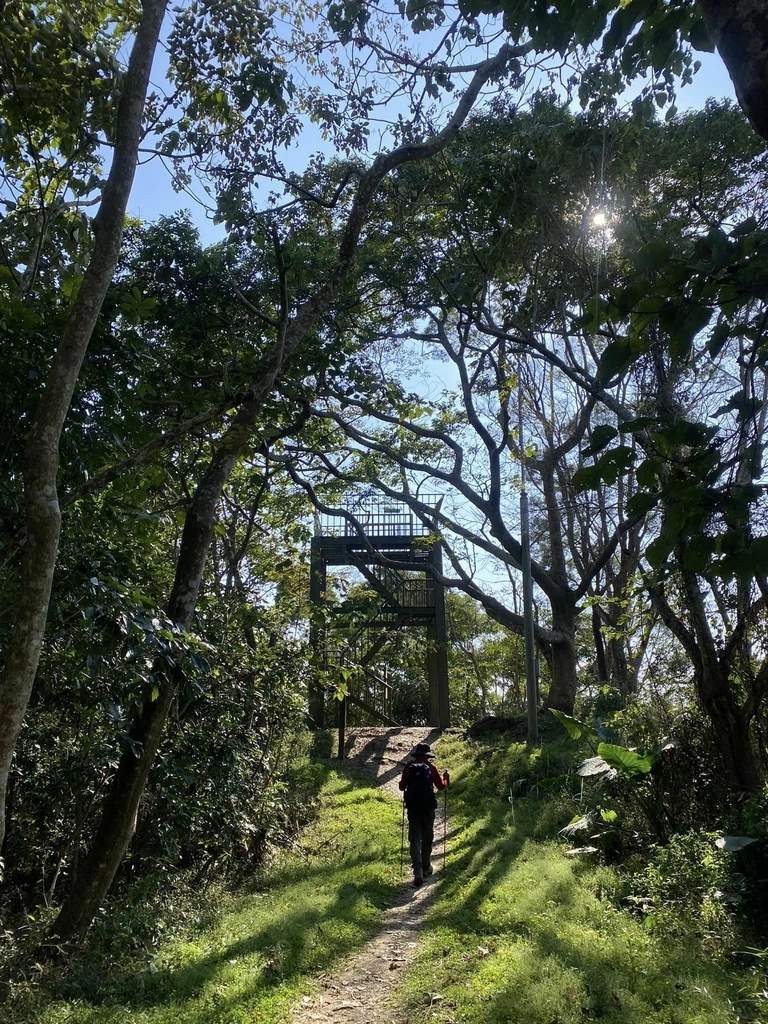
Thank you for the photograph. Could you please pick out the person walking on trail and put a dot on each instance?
(418, 783)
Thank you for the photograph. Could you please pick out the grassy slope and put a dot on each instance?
(521, 934)
(518, 932)
(256, 952)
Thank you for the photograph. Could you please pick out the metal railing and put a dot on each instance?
(406, 591)
(379, 517)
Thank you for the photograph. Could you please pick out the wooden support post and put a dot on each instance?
(342, 726)
(433, 676)
(441, 643)
(317, 585)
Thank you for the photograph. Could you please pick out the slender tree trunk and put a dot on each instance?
(597, 635)
(41, 461)
(619, 673)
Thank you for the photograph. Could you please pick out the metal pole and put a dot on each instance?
(402, 839)
(531, 688)
(445, 824)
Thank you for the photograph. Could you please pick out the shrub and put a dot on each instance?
(689, 886)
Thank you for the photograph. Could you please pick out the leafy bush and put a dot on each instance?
(689, 885)
(691, 786)
(221, 789)
(694, 880)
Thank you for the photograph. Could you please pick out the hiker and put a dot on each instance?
(417, 782)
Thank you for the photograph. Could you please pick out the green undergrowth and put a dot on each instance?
(519, 933)
(254, 951)
(522, 934)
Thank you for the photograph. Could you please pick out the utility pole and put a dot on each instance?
(531, 688)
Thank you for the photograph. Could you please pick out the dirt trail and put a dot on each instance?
(360, 992)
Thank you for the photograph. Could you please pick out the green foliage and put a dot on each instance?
(519, 934)
(683, 879)
(575, 728)
(682, 464)
(222, 793)
(219, 794)
(59, 80)
(753, 993)
(690, 885)
(232, 90)
(693, 790)
(485, 663)
(627, 801)
(619, 41)
(247, 953)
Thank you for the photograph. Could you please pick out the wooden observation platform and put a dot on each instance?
(391, 550)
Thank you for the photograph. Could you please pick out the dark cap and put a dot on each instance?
(423, 750)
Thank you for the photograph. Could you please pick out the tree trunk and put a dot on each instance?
(41, 460)
(619, 671)
(117, 823)
(712, 678)
(732, 734)
(739, 29)
(601, 663)
(562, 691)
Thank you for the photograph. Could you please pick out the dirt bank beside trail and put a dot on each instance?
(361, 991)
(383, 753)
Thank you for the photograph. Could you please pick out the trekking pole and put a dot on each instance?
(445, 824)
(402, 840)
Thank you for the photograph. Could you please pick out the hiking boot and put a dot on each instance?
(417, 881)
(428, 871)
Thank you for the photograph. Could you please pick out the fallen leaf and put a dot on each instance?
(570, 993)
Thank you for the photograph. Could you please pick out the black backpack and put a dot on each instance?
(419, 795)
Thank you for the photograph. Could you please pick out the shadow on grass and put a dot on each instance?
(287, 946)
(552, 949)
(307, 915)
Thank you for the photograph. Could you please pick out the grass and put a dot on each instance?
(518, 933)
(521, 934)
(255, 955)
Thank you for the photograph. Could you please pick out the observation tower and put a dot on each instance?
(399, 562)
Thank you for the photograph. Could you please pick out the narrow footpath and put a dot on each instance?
(361, 991)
